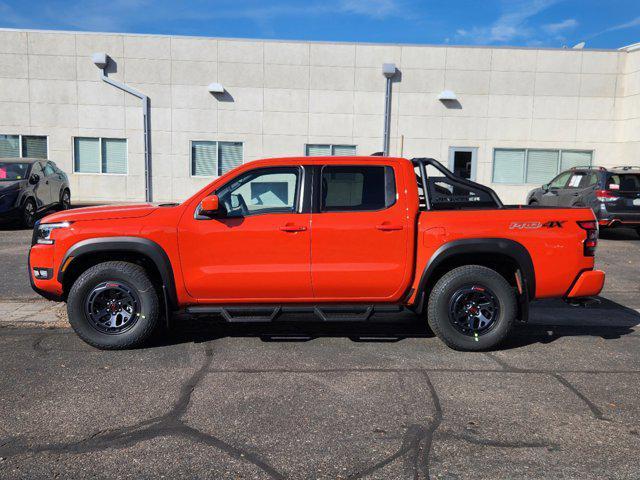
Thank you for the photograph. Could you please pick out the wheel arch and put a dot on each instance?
(92, 251)
(501, 254)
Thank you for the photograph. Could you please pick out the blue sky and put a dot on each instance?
(548, 23)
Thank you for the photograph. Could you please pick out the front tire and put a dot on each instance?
(29, 211)
(114, 305)
(472, 308)
(65, 200)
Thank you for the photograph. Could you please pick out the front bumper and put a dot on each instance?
(587, 284)
(41, 256)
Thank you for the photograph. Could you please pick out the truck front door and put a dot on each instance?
(258, 249)
(360, 233)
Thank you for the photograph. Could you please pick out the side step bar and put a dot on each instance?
(269, 313)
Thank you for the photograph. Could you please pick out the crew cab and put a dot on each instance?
(341, 237)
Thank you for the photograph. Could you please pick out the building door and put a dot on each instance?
(463, 161)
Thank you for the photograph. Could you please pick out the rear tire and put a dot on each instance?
(534, 203)
(472, 308)
(114, 305)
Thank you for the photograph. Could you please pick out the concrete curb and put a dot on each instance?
(34, 313)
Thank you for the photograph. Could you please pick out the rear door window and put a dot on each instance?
(357, 188)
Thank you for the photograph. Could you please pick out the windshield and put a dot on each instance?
(13, 171)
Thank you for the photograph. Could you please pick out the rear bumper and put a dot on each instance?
(615, 219)
(587, 284)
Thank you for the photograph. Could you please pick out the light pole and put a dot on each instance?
(101, 60)
(389, 71)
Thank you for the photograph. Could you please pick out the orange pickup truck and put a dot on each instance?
(341, 237)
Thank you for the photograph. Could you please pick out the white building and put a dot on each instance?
(521, 115)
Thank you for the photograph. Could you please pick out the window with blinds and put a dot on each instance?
(535, 166)
(100, 155)
(114, 155)
(325, 150)
(542, 165)
(27, 146)
(573, 158)
(9, 146)
(508, 166)
(34, 147)
(229, 156)
(209, 158)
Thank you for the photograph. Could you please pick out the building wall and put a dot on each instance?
(283, 95)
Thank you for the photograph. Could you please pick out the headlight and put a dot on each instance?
(44, 230)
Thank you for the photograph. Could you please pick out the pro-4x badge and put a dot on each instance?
(534, 225)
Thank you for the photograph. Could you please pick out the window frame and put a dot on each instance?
(379, 165)
(100, 162)
(217, 142)
(20, 135)
(298, 203)
(331, 149)
(526, 162)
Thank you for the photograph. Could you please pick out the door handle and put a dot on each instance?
(293, 228)
(388, 227)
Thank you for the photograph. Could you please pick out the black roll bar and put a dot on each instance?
(422, 163)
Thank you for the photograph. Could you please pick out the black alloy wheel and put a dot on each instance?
(112, 307)
(473, 310)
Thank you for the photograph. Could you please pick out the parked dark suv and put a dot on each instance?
(613, 194)
(29, 187)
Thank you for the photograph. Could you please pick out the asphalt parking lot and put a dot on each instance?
(383, 401)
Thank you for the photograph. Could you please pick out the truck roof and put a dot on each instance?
(302, 160)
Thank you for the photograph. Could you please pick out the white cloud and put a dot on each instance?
(556, 28)
(511, 24)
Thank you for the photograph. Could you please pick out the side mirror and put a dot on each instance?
(34, 179)
(545, 187)
(210, 206)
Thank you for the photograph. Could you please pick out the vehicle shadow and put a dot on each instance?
(549, 321)
(619, 234)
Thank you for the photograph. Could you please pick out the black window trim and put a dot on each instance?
(298, 207)
(318, 185)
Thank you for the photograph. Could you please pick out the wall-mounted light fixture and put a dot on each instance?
(215, 88)
(447, 96)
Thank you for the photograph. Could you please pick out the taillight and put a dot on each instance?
(606, 196)
(591, 242)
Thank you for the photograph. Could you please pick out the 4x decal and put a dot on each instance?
(534, 225)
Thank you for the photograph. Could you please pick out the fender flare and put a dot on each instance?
(503, 246)
(138, 245)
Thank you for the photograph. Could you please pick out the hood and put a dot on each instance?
(11, 185)
(105, 212)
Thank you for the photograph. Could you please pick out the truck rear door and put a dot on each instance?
(360, 231)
